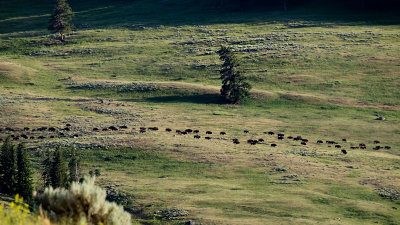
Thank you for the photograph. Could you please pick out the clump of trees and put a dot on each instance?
(55, 172)
(60, 20)
(15, 171)
(67, 198)
(234, 86)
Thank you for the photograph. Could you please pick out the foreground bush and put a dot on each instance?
(83, 203)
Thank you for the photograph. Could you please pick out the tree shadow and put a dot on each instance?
(132, 14)
(196, 99)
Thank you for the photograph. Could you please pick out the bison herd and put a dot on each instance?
(52, 132)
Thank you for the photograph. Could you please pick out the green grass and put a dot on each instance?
(322, 76)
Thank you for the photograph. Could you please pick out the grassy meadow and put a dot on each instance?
(146, 64)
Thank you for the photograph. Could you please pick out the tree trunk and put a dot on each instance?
(62, 36)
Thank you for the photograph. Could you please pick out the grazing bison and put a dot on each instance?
(52, 136)
(260, 140)
(67, 129)
(376, 142)
(68, 125)
(16, 138)
(236, 142)
(52, 129)
(304, 140)
(197, 136)
(32, 137)
(344, 151)
(320, 142)
(280, 137)
(189, 130)
(41, 137)
(9, 129)
(168, 129)
(304, 143)
(196, 131)
(271, 133)
(142, 131)
(344, 139)
(42, 128)
(246, 131)
(95, 129)
(25, 128)
(290, 137)
(388, 147)
(222, 133)
(252, 142)
(105, 129)
(24, 136)
(273, 145)
(377, 148)
(208, 132)
(123, 127)
(183, 133)
(112, 128)
(338, 146)
(208, 138)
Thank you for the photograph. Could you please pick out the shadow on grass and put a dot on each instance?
(197, 99)
(34, 15)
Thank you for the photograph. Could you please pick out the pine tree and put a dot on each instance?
(58, 173)
(234, 86)
(74, 167)
(7, 167)
(24, 181)
(59, 21)
(46, 169)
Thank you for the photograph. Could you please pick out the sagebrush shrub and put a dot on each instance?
(82, 203)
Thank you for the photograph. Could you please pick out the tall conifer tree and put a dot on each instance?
(74, 167)
(46, 169)
(234, 86)
(24, 181)
(59, 176)
(8, 169)
(59, 21)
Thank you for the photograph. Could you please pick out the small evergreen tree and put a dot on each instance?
(59, 21)
(74, 167)
(46, 169)
(58, 173)
(24, 184)
(234, 86)
(8, 169)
